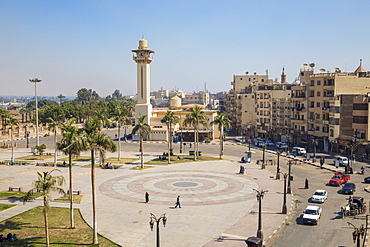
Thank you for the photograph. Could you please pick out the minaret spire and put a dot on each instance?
(143, 59)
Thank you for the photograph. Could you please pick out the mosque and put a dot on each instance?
(142, 56)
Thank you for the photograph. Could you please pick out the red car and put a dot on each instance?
(339, 179)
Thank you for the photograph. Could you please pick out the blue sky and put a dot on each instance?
(72, 44)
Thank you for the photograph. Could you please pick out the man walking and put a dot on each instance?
(178, 202)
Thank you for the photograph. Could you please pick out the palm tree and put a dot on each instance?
(223, 122)
(12, 122)
(54, 126)
(120, 116)
(71, 144)
(194, 118)
(4, 114)
(46, 183)
(144, 131)
(96, 141)
(169, 119)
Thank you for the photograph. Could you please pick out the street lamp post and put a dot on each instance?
(36, 80)
(284, 210)
(260, 195)
(168, 141)
(357, 233)
(289, 190)
(153, 220)
(263, 157)
(314, 150)
(249, 149)
(278, 165)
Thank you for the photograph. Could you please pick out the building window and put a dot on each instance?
(241, 79)
(249, 79)
(317, 104)
(318, 93)
(312, 83)
(318, 83)
(262, 80)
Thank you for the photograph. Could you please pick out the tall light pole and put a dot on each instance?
(260, 195)
(284, 210)
(36, 80)
(357, 233)
(153, 220)
(263, 157)
(289, 177)
(278, 165)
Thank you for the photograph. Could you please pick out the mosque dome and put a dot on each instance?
(175, 101)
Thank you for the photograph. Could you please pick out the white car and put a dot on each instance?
(269, 143)
(319, 196)
(311, 215)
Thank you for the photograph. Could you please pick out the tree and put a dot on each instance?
(84, 95)
(41, 148)
(96, 142)
(71, 144)
(46, 184)
(4, 115)
(169, 119)
(54, 126)
(61, 97)
(194, 118)
(120, 116)
(144, 131)
(12, 122)
(223, 122)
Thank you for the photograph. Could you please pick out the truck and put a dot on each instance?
(339, 179)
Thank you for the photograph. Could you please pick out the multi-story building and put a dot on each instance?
(318, 101)
(200, 98)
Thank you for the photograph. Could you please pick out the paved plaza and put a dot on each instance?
(218, 205)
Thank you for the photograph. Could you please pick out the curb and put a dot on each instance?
(284, 221)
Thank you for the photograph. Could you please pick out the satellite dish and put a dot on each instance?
(312, 65)
(304, 65)
(337, 70)
(321, 70)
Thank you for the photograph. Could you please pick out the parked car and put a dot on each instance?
(260, 143)
(311, 215)
(339, 179)
(319, 196)
(367, 180)
(281, 145)
(269, 143)
(343, 161)
(299, 151)
(348, 188)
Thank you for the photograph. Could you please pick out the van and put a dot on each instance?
(299, 151)
(343, 161)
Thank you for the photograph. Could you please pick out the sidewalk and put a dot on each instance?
(219, 207)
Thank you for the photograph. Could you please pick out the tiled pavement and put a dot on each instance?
(219, 207)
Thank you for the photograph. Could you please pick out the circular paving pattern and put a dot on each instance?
(194, 187)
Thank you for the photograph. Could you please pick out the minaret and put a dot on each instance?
(143, 59)
(283, 77)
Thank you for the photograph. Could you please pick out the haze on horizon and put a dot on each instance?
(75, 44)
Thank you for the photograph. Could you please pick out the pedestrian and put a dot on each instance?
(306, 184)
(336, 164)
(350, 200)
(178, 202)
(146, 197)
(190, 145)
(308, 157)
(362, 170)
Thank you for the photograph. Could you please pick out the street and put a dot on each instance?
(332, 229)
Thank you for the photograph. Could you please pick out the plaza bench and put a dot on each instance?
(19, 189)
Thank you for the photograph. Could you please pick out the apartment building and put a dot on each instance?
(200, 98)
(322, 104)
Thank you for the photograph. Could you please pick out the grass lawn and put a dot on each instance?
(183, 158)
(98, 166)
(5, 206)
(35, 157)
(13, 194)
(79, 158)
(29, 227)
(76, 198)
(122, 161)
